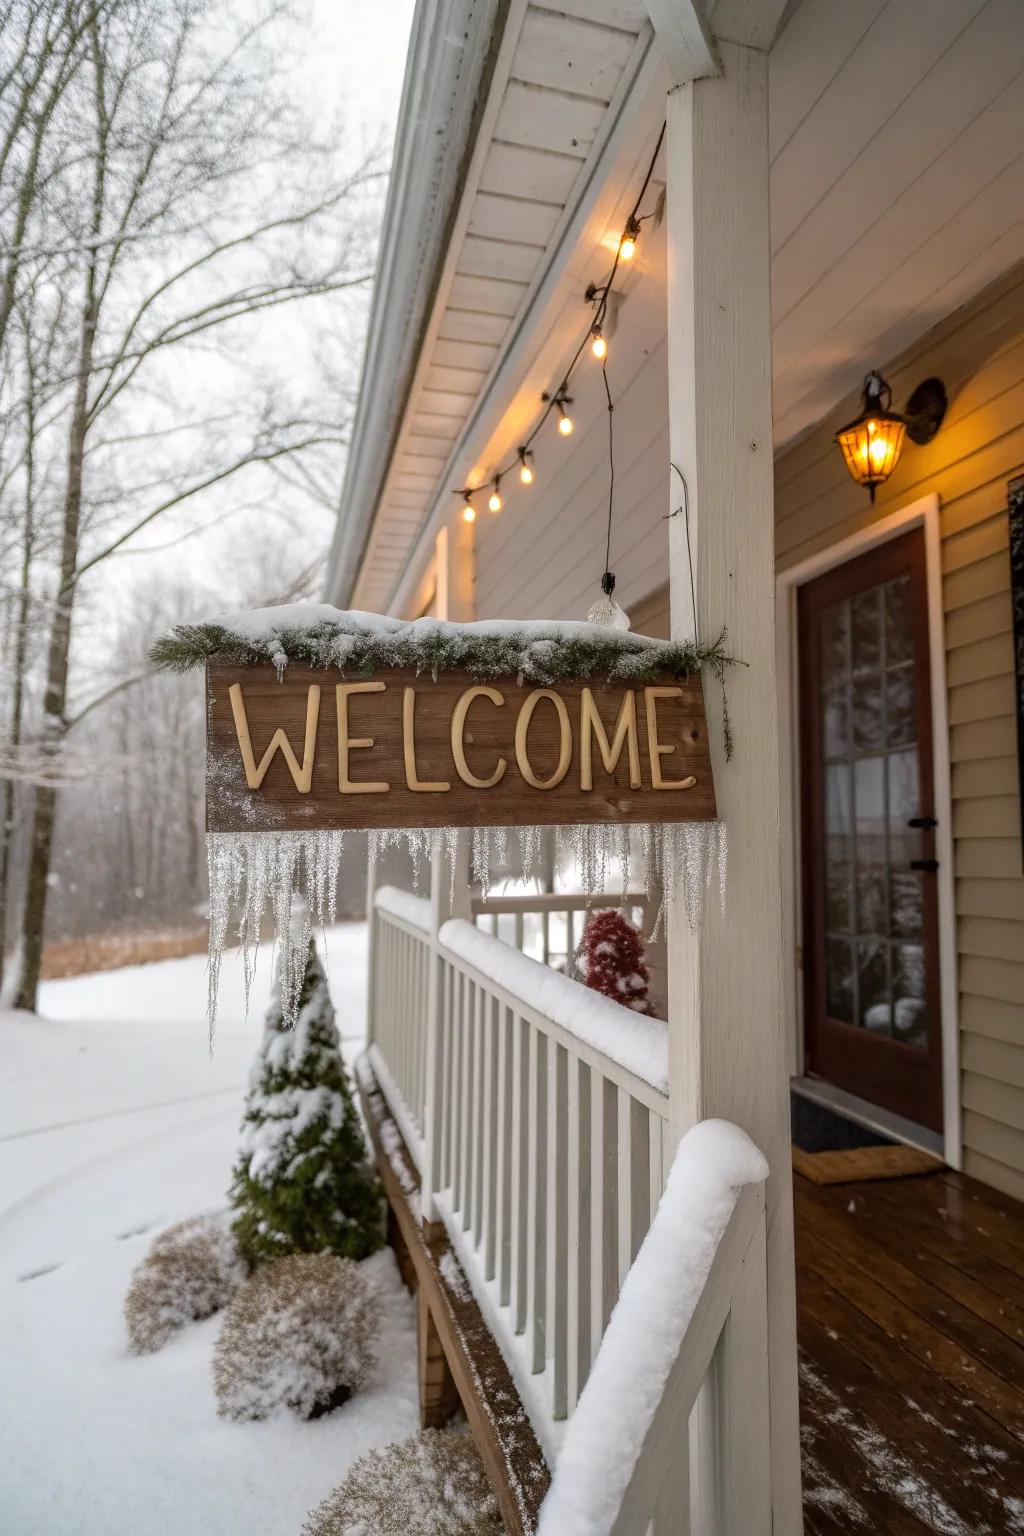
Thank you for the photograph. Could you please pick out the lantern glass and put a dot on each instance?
(872, 446)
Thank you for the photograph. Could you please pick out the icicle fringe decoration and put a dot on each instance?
(254, 875)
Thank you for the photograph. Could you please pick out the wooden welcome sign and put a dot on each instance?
(399, 749)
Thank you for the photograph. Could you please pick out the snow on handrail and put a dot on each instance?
(605, 1435)
(634, 1042)
(404, 905)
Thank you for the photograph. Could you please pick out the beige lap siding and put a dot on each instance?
(979, 353)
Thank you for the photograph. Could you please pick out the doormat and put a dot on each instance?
(857, 1165)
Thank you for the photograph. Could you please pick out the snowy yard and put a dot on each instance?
(115, 1121)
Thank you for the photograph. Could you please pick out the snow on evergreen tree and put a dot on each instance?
(302, 1182)
(611, 954)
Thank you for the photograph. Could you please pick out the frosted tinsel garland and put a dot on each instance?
(253, 872)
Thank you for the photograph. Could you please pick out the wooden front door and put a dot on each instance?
(870, 941)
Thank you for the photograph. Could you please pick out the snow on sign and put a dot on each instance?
(318, 749)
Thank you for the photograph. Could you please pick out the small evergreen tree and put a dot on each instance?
(302, 1183)
(611, 954)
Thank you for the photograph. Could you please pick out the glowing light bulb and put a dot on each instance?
(525, 472)
(565, 425)
(494, 501)
(627, 248)
(599, 346)
(469, 513)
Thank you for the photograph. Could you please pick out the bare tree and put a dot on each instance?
(138, 138)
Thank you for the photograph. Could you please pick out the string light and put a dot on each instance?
(630, 235)
(598, 296)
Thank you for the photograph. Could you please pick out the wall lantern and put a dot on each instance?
(872, 444)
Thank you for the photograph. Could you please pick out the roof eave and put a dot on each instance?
(447, 76)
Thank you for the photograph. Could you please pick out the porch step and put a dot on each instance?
(860, 1164)
(452, 1319)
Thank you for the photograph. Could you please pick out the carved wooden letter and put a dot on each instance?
(459, 714)
(591, 725)
(565, 748)
(422, 786)
(254, 776)
(347, 743)
(654, 747)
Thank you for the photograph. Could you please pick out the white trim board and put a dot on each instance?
(923, 513)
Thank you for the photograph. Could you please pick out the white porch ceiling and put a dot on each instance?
(897, 189)
(561, 72)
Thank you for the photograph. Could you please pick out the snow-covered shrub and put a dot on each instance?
(298, 1335)
(302, 1182)
(190, 1272)
(432, 1484)
(611, 955)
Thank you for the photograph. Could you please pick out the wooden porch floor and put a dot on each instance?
(911, 1323)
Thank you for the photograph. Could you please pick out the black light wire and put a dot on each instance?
(558, 397)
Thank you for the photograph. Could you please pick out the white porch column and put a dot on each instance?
(450, 893)
(726, 1039)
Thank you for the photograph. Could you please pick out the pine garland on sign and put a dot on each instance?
(302, 1183)
(358, 645)
(611, 953)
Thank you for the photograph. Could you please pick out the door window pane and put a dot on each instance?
(866, 631)
(839, 977)
(867, 710)
(836, 723)
(899, 622)
(834, 630)
(838, 848)
(900, 706)
(909, 1020)
(873, 986)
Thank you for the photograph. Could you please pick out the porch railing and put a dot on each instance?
(549, 926)
(399, 978)
(536, 1112)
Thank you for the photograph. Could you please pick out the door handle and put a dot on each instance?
(923, 823)
(927, 866)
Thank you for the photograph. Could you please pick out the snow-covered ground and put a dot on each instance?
(115, 1120)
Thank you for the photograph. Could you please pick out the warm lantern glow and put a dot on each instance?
(469, 512)
(599, 346)
(494, 501)
(525, 472)
(565, 425)
(873, 443)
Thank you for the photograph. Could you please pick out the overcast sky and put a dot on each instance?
(359, 53)
(350, 68)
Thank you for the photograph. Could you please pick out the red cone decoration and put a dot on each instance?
(611, 956)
